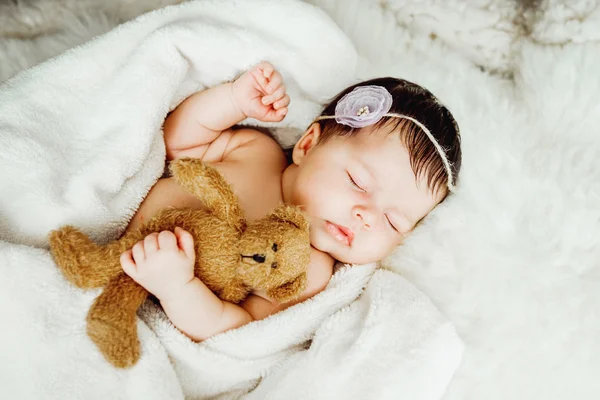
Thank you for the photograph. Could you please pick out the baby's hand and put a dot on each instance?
(260, 93)
(162, 263)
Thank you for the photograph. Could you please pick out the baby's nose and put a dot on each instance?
(365, 216)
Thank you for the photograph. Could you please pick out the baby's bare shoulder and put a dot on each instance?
(320, 270)
(253, 164)
(249, 144)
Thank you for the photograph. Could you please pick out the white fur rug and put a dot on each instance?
(513, 259)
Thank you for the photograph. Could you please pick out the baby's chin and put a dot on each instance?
(345, 256)
(355, 260)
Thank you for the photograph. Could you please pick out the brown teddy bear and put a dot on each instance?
(233, 257)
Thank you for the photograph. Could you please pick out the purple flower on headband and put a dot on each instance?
(363, 106)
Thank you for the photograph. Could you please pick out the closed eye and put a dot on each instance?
(391, 224)
(354, 183)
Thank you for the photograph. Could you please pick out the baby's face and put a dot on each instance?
(359, 192)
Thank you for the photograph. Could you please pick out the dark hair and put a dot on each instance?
(417, 102)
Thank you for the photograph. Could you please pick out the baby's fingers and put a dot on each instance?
(128, 264)
(284, 102)
(279, 94)
(167, 240)
(138, 252)
(151, 243)
(275, 81)
(280, 114)
(275, 115)
(186, 242)
(267, 70)
(262, 72)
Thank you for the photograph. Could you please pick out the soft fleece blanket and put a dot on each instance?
(81, 144)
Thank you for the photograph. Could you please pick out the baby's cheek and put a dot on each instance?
(379, 247)
(313, 199)
(393, 244)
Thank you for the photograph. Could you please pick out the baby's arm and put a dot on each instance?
(199, 314)
(201, 118)
(164, 265)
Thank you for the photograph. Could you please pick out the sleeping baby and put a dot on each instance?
(380, 157)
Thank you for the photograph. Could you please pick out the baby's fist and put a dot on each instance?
(260, 94)
(162, 263)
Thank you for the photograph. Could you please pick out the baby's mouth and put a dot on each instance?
(341, 233)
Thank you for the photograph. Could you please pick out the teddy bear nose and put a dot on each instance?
(259, 258)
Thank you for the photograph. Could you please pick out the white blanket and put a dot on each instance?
(81, 144)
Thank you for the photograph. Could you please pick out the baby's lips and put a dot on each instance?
(348, 232)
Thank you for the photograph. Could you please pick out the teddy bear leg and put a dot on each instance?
(73, 252)
(84, 263)
(112, 321)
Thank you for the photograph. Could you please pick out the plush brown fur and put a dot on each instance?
(233, 257)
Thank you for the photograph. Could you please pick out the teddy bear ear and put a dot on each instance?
(291, 214)
(289, 290)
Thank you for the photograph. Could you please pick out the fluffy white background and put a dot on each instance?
(513, 259)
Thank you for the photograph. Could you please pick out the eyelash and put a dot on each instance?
(392, 225)
(363, 190)
(354, 183)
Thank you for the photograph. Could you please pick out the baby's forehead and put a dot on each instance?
(381, 155)
(381, 141)
(385, 155)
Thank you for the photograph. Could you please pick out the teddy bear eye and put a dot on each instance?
(274, 247)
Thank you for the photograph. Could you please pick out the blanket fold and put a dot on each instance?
(248, 353)
(82, 145)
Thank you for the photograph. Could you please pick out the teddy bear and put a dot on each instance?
(234, 256)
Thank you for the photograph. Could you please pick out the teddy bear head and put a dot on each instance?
(275, 252)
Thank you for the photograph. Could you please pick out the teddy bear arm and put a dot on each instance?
(206, 183)
(112, 321)
(234, 292)
(289, 290)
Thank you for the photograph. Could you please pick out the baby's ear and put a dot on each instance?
(291, 214)
(306, 143)
(289, 290)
